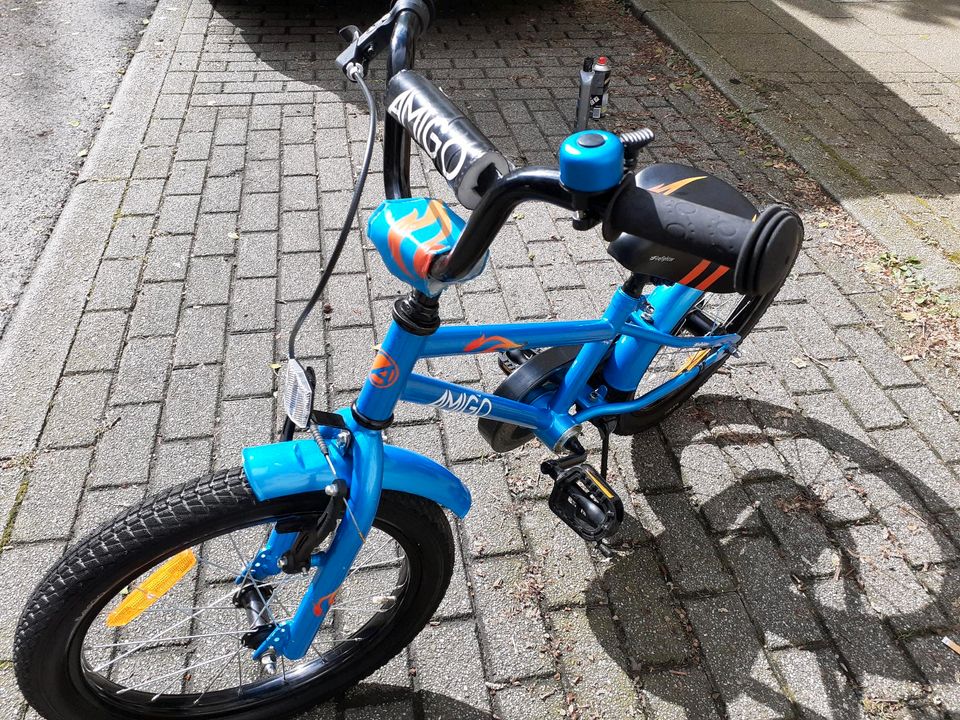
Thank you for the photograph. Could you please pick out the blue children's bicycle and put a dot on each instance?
(263, 590)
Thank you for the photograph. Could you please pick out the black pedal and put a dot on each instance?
(582, 498)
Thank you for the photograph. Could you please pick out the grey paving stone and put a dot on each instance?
(818, 685)
(124, 450)
(179, 461)
(168, 258)
(588, 648)
(512, 633)
(803, 539)
(143, 370)
(884, 365)
(941, 669)
(450, 671)
(191, 402)
(865, 398)
(115, 285)
(216, 233)
(259, 211)
(178, 214)
(569, 577)
(247, 369)
(713, 488)
(243, 423)
(129, 237)
(770, 595)
(932, 480)
(257, 255)
(11, 701)
(21, 568)
(891, 588)
(200, 335)
(157, 309)
(53, 491)
(99, 506)
(208, 282)
(736, 661)
(530, 699)
(98, 342)
(253, 305)
(642, 605)
(75, 416)
(492, 526)
(691, 560)
(879, 665)
(683, 694)
(927, 414)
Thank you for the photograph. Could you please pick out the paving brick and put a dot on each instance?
(98, 342)
(21, 568)
(652, 468)
(259, 211)
(885, 366)
(933, 481)
(589, 648)
(143, 370)
(868, 402)
(253, 306)
(247, 368)
(178, 214)
(512, 632)
(216, 233)
(208, 282)
(115, 285)
(125, 448)
(818, 685)
(179, 461)
(714, 489)
(242, 423)
(941, 669)
(569, 577)
(168, 258)
(200, 335)
(736, 661)
(75, 416)
(257, 255)
(692, 563)
(157, 309)
(492, 526)
(450, 671)
(54, 485)
(99, 506)
(530, 699)
(679, 695)
(928, 415)
(773, 600)
(129, 237)
(879, 665)
(191, 402)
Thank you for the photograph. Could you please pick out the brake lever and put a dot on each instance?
(365, 46)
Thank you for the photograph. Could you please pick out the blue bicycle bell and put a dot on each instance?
(591, 161)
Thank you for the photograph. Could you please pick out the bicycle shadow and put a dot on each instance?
(869, 659)
(379, 700)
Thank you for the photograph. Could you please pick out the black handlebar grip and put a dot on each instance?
(468, 161)
(760, 251)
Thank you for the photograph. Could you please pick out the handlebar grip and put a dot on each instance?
(761, 251)
(468, 161)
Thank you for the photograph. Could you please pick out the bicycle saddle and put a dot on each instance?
(683, 225)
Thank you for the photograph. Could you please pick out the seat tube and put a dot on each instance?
(391, 368)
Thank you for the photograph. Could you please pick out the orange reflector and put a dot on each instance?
(152, 589)
(692, 361)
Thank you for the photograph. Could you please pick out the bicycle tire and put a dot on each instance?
(50, 634)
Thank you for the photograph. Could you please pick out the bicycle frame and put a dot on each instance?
(369, 466)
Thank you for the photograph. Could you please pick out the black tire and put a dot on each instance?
(743, 320)
(56, 619)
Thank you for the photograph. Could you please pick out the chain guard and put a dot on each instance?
(540, 373)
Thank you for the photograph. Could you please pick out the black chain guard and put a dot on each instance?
(542, 372)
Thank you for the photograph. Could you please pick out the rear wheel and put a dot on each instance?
(714, 314)
(184, 656)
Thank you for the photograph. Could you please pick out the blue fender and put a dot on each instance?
(298, 466)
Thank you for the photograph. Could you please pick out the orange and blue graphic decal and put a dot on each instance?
(384, 372)
(672, 187)
(322, 605)
(704, 275)
(493, 343)
(410, 233)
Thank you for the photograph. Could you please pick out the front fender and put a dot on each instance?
(298, 466)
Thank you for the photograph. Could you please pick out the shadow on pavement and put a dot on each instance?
(787, 517)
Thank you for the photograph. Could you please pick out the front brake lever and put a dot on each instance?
(366, 46)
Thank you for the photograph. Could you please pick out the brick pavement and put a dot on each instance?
(866, 95)
(792, 546)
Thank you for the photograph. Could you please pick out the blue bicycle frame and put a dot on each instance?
(368, 466)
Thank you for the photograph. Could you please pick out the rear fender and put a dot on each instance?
(298, 466)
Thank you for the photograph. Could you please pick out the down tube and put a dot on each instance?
(632, 357)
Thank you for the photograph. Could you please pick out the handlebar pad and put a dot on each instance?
(761, 251)
(468, 161)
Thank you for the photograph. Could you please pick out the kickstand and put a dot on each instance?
(605, 430)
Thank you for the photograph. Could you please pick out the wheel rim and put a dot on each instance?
(184, 655)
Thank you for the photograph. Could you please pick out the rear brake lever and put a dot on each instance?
(366, 46)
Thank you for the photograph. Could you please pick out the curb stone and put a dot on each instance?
(34, 347)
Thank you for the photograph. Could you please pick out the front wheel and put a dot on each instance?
(79, 657)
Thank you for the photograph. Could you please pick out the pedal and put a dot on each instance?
(582, 498)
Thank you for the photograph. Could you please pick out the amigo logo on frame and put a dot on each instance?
(463, 403)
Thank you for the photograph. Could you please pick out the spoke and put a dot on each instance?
(236, 653)
(171, 639)
(175, 672)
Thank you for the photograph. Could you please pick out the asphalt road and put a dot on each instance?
(60, 64)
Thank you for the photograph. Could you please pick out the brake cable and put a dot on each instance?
(354, 73)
